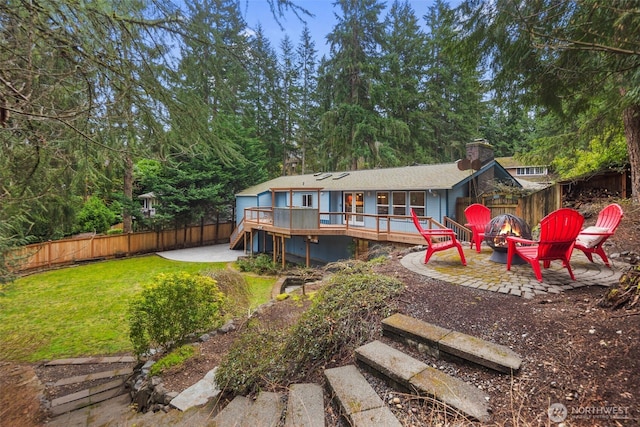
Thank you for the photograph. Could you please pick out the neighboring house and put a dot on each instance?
(318, 216)
(148, 201)
(530, 176)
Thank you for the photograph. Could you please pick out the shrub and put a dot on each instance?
(173, 307)
(344, 314)
(235, 288)
(261, 264)
(94, 216)
(177, 357)
(255, 358)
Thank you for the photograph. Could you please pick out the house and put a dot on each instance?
(322, 216)
(530, 176)
(148, 201)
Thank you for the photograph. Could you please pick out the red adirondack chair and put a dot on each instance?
(438, 239)
(558, 232)
(591, 239)
(478, 216)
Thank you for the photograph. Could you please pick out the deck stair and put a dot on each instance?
(237, 236)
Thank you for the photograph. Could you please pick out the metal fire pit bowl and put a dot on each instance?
(496, 232)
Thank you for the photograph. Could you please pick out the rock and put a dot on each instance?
(227, 327)
(169, 396)
(198, 394)
(147, 366)
(142, 400)
(204, 338)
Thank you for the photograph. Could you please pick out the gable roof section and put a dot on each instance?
(443, 176)
(513, 162)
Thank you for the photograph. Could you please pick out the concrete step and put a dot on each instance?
(265, 411)
(89, 396)
(442, 343)
(233, 413)
(91, 360)
(357, 400)
(412, 375)
(93, 376)
(305, 406)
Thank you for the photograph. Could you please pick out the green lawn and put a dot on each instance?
(82, 310)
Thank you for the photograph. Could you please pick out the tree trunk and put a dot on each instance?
(128, 194)
(631, 119)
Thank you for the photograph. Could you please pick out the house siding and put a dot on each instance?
(328, 248)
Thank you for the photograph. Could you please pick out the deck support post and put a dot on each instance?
(275, 247)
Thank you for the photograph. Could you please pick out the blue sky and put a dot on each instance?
(258, 12)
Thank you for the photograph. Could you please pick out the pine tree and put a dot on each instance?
(308, 121)
(354, 133)
(452, 87)
(403, 67)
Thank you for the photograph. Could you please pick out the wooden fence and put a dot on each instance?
(532, 208)
(68, 251)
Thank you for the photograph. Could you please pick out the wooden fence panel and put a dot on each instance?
(536, 206)
(144, 242)
(501, 204)
(110, 246)
(532, 208)
(66, 251)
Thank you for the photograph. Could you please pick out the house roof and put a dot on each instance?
(513, 162)
(443, 176)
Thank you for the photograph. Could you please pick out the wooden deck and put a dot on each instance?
(385, 227)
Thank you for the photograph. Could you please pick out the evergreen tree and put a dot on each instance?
(355, 134)
(306, 135)
(403, 68)
(289, 96)
(263, 109)
(452, 88)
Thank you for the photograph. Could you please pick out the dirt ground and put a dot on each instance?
(575, 353)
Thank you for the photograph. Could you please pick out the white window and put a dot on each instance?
(417, 202)
(532, 170)
(399, 203)
(382, 201)
(307, 200)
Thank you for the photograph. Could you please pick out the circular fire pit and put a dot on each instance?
(496, 232)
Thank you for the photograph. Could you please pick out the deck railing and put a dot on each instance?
(381, 225)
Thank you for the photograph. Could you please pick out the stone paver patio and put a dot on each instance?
(481, 273)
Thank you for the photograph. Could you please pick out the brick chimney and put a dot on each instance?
(481, 150)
